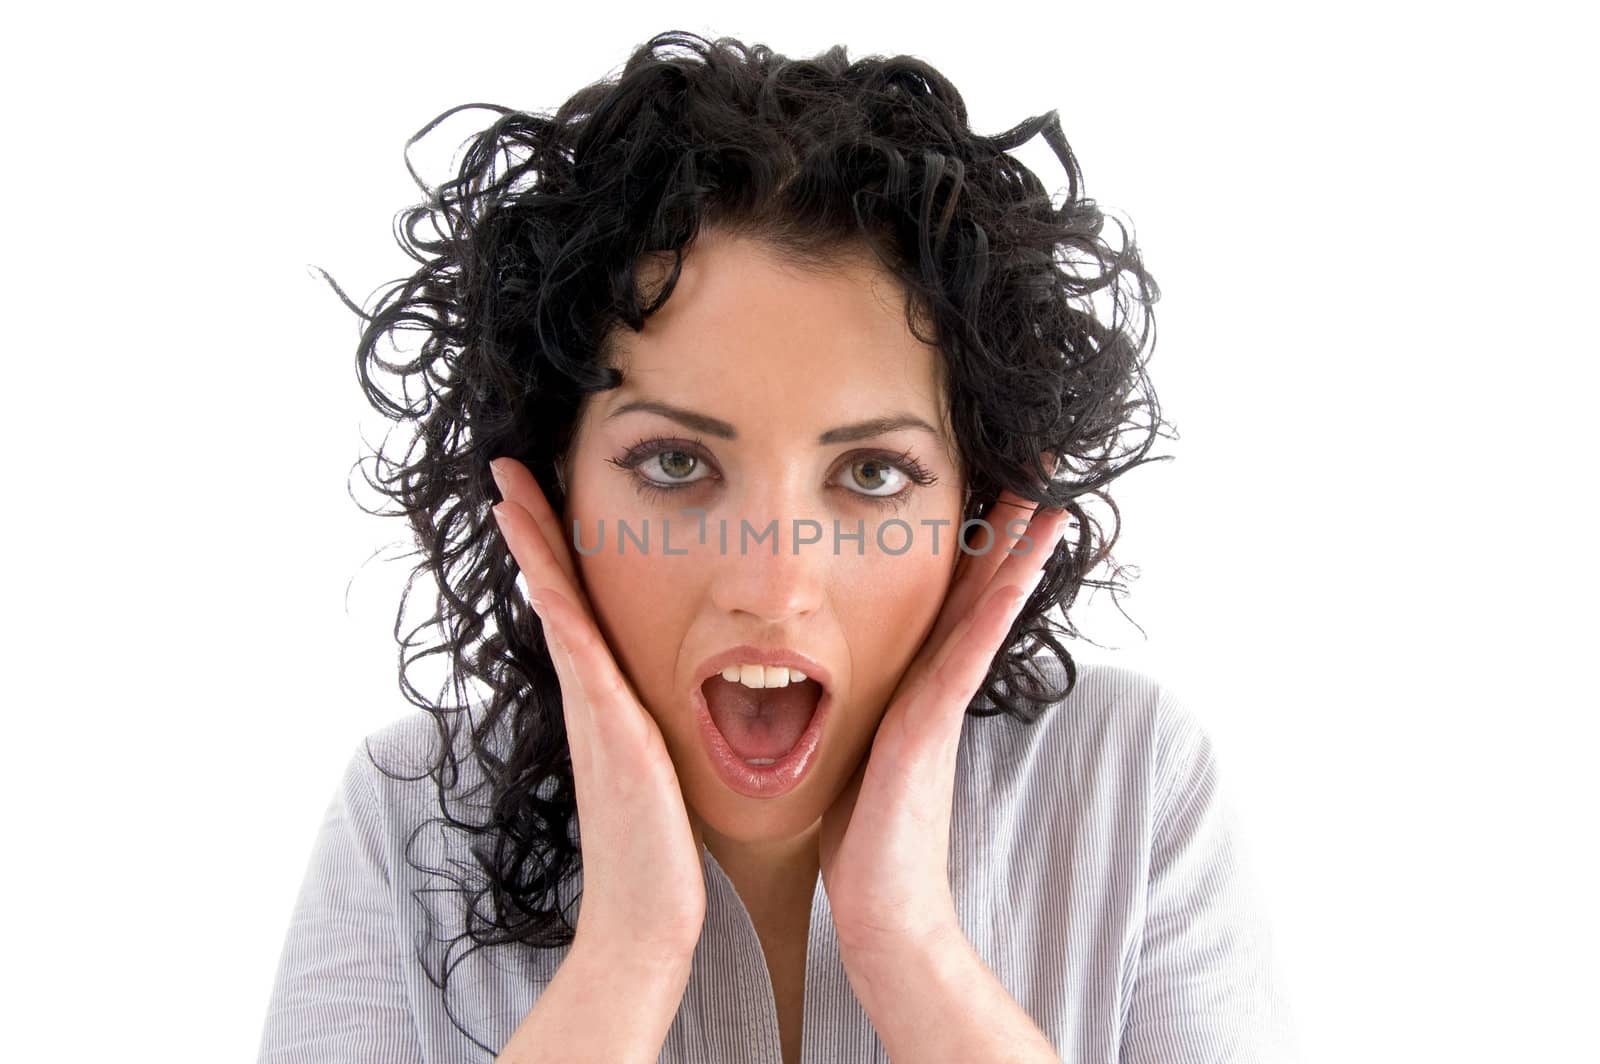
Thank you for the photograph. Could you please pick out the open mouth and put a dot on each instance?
(760, 716)
(761, 725)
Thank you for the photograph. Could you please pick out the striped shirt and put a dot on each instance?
(1092, 861)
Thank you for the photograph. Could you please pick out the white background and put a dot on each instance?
(1367, 571)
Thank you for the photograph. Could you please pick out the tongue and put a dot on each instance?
(765, 723)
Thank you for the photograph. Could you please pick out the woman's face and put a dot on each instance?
(775, 358)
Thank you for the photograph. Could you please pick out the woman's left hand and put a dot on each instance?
(885, 842)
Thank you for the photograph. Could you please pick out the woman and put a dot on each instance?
(785, 392)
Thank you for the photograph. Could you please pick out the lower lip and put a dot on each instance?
(762, 781)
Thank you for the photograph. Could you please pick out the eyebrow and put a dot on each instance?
(861, 430)
(699, 422)
(878, 426)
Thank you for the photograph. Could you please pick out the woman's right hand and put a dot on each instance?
(643, 896)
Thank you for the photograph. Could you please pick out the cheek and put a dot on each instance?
(887, 611)
(639, 603)
(639, 596)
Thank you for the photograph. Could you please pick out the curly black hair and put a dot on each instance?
(526, 267)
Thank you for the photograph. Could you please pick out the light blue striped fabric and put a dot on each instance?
(1092, 861)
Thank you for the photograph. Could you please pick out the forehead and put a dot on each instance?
(744, 323)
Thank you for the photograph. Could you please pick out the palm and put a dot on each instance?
(643, 881)
(884, 843)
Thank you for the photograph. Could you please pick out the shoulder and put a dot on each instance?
(391, 784)
(410, 741)
(1117, 741)
(409, 748)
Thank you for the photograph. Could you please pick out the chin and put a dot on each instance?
(752, 821)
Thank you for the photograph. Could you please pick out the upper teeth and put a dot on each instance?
(760, 676)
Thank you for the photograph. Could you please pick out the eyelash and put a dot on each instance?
(650, 446)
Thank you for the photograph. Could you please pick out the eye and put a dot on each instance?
(876, 477)
(658, 466)
(674, 467)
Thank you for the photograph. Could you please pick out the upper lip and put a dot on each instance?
(749, 654)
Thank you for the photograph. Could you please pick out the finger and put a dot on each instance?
(1012, 582)
(551, 595)
(1014, 529)
(592, 760)
(593, 672)
(1007, 532)
(590, 674)
(600, 705)
(978, 564)
(939, 703)
(518, 485)
(1023, 568)
(1000, 536)
(966, 661)
(578, 726)
(534, 555)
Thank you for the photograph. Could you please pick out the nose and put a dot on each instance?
(761, 575)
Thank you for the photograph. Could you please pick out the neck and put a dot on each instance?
(774, 878)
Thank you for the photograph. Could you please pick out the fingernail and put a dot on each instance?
(494, 471)
(499, 511)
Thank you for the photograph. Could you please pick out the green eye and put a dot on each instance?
(677, 465)
(677, 468)
(876, 476)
